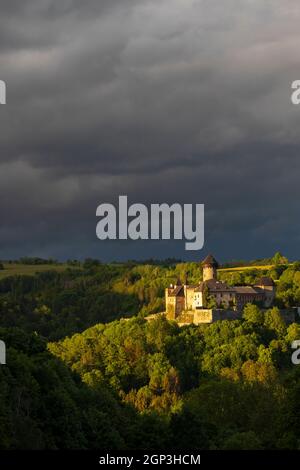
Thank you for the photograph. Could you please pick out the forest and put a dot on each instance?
(86, 370)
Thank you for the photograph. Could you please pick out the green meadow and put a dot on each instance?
(16, 269)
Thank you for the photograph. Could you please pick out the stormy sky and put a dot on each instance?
(162, 100)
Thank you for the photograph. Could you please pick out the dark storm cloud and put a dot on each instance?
(181, 100)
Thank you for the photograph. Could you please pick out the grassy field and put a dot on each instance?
(23, 269)
(244, 268)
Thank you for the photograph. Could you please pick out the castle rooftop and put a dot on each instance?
(210, 261)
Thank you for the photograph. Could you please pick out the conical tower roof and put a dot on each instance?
(210, 261)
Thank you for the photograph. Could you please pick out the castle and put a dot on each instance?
(212, 300)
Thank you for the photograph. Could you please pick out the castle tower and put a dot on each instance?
(267, 285)
(209, 265)
(174, 300)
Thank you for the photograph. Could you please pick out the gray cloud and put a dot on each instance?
(180, 100)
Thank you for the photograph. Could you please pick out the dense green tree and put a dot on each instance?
(275, 322)
(278, 258)
(253, 314)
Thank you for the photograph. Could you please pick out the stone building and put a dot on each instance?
(212, 298)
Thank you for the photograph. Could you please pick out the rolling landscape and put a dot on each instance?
(86, 368)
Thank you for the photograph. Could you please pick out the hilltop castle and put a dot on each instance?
(212, 300)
